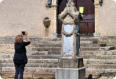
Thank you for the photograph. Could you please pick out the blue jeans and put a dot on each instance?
(19, 70)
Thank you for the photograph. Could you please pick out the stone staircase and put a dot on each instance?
(43, 55)
(99, 55)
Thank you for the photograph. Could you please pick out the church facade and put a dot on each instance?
(105, 17)
(29, 15)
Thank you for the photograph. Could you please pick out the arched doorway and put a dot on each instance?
(87, 25)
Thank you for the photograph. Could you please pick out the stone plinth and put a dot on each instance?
(70, 73)
(71, 68)
(69, 62)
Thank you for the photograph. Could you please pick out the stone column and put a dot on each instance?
(54, 18)
(96, 3)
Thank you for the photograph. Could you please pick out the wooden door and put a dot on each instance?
(87, 25)
(61, 6)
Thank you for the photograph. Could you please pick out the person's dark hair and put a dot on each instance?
(19, 39)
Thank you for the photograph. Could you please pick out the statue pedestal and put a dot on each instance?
(70, 73)
(71, 68)
(70, 62)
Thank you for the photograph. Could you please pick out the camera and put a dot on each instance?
(23, 32)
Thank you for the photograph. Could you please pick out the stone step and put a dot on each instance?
(31, 60)
(99, 57)
(99, 61)
(30, 75)
(40, 64)
(86, 42)
(44, 39)
(54, 52)
(34, 56)
(89, 42)
(39, 53)
(89, 45)
(39, 40)
(10, 57)
(30, 69)
(107, 48)
(6, 56)
(99, 71)
(49, 43)
(89, 48)
(111, 52)
(7, 45)
(56, 44)
(82, 38)
(92, 70)
(101, 66)
(46, 42)
(97, 52)
(53, 56)
(51, 50)
(46, 48)
(86, 37)
(50, 46)
(7, 40)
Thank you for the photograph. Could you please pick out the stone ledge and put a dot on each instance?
(30, 75)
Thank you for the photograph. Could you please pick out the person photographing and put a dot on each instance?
(20, 58)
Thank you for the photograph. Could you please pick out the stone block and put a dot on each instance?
(89, 48)
(70, 73)
(69, 62)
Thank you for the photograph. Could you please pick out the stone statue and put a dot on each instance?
(70, 29)
(71, 64)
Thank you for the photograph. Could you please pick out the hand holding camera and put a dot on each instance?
(24, 33)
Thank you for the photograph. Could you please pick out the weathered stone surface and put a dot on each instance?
(17, 14)
(70, 73)
(46, 60)
(96, 61)
(30, 75)
(102, 59)
(69, 62)
(101, 25)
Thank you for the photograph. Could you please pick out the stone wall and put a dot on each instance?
(27, 15)
(105, 17)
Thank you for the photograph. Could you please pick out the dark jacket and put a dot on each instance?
(20, 56)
